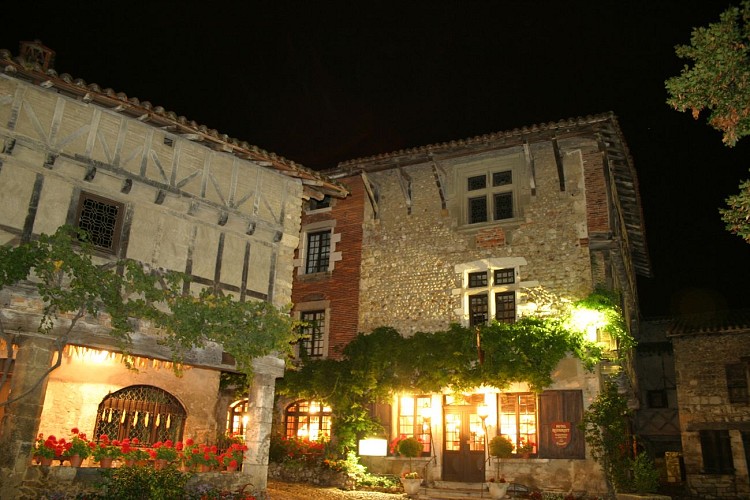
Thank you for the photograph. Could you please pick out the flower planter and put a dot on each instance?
(75, 460)
(160, 463)
(498, 490)
(106, 462)
(411, 485)
(45, 461)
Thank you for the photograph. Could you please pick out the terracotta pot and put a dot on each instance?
(231, 468)
(142, 463)
(204, 468)
(130, 462)
(106, 462)
(160, 463)
(75, 460)
(45, 461)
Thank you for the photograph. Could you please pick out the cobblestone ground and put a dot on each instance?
(297, 491)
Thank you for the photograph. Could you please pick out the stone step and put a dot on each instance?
(448, 490)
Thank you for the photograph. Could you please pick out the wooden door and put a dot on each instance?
(463, 445)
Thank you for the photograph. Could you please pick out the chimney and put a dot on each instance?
(35, 52)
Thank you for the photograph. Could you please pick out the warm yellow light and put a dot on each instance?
(373, 447)
(483, 411)
(426, 413)
(587, 321)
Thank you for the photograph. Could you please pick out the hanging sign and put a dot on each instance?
(561, 433)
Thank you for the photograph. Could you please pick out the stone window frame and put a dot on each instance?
(116, 235)
(469, 293)
(237, 417)
(315, 306)
(306, 413)
(300, 263)
(513, 163)
(313, 206)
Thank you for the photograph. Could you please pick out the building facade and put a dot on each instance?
(711, 354)
(156, 188)
(469, 232)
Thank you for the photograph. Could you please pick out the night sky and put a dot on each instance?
(320, 82)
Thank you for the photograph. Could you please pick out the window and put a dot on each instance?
(318, 252)
(737, 382)
(489, 196)
(502, 307)
(313, 329)
(101, 219)
(518, 418)
(141, 411)
(237, 418)
(308, 420)
(314, 204)
(657, 398)
(414, 420)
(716, 450)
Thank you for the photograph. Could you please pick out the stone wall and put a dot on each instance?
(410, 253)
(703, 400)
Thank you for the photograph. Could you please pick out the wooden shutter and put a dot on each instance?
(561, 406)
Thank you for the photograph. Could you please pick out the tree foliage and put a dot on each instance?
(376, 365)
(61, 268)
(718, 82)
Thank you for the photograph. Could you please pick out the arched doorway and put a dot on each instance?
(141, 411)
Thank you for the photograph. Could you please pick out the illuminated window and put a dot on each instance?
(308, 420)
(518, 420)
(237, 417)
(415, 418)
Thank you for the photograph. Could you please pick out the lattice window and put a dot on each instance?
(101, 218)
(505, 276)
(478, 309)
(478, 279)
(318, 252)
(314, 331)
(505, 307)
(737, 382)
(489, 201)
(414, 414)
(141, 411)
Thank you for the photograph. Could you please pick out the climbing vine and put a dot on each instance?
(73, 285)
(378, 364)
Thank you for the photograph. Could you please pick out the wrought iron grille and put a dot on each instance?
(141, 411)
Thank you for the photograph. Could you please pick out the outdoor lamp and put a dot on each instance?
(483, 411)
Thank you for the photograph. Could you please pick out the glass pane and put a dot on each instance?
(477, 210)
(318, 252)
(476, 441)
(478, 279)
(502, 178)
(478, 309)
(505, 276)
(503, 206)
(476, 182)
(452, 432)
(505, 307)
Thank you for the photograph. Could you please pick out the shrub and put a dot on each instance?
(501, 446)
(410, 447)
(136, 483)
(645, 475)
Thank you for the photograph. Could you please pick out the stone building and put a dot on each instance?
(464, 232)
(164, 191)
(711, 355)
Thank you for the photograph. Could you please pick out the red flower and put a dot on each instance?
(233, 463)
(168, 443)
(178, 446)
(189, 442)
(135, 441)
(103, 437)
(74, 430)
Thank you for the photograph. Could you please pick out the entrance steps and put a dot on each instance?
(449, 490)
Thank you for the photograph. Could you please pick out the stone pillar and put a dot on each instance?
(21, 420)
(260, 408)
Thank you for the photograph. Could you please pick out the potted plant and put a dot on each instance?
(410, 448)
(131, 453)
(45, 450)
(78, 448)
(232, 458)
(163, 453)
(500, 447)
(105, 451)
(525, 448)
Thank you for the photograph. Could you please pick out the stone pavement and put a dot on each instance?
(300, 491)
